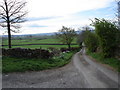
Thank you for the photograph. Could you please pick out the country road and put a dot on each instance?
(81, 72)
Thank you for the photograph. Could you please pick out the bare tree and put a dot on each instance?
(11, 14)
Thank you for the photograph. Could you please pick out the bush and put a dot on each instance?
(72, 49)
(82, 34)
(27, 53)
(107, 33)
(54, 51)
(91, 41)
(64, 49)
(75, 48)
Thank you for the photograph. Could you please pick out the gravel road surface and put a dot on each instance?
(81, 72)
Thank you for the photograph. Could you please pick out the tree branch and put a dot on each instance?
(15, 31)
(18, 18)
(3, 25)
(2, 15)
(18, 9)
(3, 8)
(11, 5)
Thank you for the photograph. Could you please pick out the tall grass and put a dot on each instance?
(113, 62)
(11, 64)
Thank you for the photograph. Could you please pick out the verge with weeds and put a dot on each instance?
(10, 64)
(113, 62)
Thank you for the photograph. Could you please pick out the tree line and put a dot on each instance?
(104, 39)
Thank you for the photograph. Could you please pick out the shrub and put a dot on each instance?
(54, 51)
(72, 49)
(107, 33)
(82, 34)
(75, 48)
(64, 49)
(91, 41)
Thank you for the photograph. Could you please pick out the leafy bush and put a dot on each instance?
(72, 49)
(55, 51)
(91, 41)
(75, 48)
(107, 33)
(64, 49)
(82, 34)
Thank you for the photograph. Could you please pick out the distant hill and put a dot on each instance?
(39, 34)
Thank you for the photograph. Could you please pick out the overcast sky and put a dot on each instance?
(50, 15)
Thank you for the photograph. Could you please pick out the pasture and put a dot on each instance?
(36, 43)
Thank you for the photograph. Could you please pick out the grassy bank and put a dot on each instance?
(10, 64)
(113, 62)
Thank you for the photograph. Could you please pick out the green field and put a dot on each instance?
(32, 41)
(41, 46)
(36, 41)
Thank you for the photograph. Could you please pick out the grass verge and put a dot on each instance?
(10, 64)
(113, 62)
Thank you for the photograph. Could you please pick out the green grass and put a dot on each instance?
(31, 41)
(35, 41)
(113, 62)
(10, 64)
(42, 46)
(0, 64)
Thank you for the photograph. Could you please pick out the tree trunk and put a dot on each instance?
(69, 46)
(8, 25)
(9, 35)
